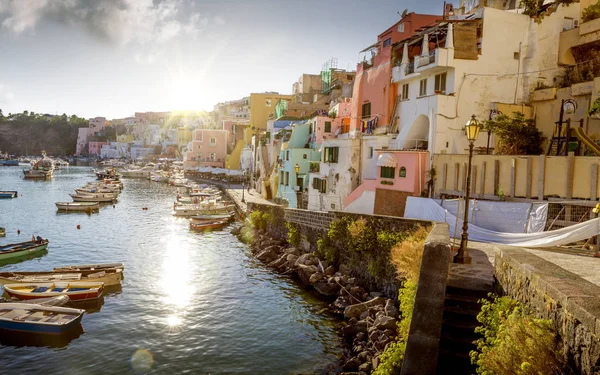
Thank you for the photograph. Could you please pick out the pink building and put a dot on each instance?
(97, 124)
(208, 148)
(94, 147)
(374, 94)
(81, 140)
(400, 174)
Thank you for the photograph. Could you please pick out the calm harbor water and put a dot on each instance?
(190, 302)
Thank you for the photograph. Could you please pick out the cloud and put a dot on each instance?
(6, 95)
(117, 21)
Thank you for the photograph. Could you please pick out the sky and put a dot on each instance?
(112, 58)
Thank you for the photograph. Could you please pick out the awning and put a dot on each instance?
(387, 160)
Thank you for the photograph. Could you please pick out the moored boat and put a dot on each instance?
(8, 194)
(40, 319)
(94, 197)
(207, 225)
(216, 217)
(78, 206)
(92, 267)
(77, 291)
(109, 276)
(22, 249)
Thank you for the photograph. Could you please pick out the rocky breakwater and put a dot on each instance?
(370, 318)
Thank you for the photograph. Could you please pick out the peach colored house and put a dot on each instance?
(399, 174)
(81, 140)
(95, 147)
(374, 95)
(97, 124)
(208, 148)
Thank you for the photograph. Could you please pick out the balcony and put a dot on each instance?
(437, 60)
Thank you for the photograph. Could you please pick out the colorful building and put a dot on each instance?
(262, 107)
(208, 148)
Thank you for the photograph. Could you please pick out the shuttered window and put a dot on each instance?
(331, 154)
(388, 172)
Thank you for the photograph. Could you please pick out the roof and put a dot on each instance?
(387, 160)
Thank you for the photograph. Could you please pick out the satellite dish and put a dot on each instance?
(404, 13)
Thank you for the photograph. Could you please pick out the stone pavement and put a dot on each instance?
(251, 196)
(480, 274)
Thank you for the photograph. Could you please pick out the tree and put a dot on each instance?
(516, 134)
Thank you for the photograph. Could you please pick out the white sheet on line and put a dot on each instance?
(509, 217)
(428, 209)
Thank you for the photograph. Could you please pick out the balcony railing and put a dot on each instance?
(410, 68)
(425, 60)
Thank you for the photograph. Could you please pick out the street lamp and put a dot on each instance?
(472, 129)
(567, 107)
(297, 168)
(243, 177)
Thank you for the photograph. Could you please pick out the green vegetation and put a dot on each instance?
(514, 342)
(259, 220)
(361, 242)
(30, 133)
(294, 236)
(591, 12)
(595, 108)
(516, 135)
(406, 256)
(536, 9)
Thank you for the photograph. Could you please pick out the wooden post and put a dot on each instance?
(541, 177)
(444, 175)
(456, 175)
(594, 183)
(482, 184)
(474, 179)
(513, 171)
(569, 182)
(496, 176)
(528, 178)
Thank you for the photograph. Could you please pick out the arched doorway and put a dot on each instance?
(418, 135)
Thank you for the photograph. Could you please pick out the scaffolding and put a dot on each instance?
(327, 74)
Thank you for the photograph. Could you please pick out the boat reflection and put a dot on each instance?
(20, 339)
(23, 258)
(90, 306)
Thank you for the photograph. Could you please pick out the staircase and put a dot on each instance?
(394, 117)
(458, 330)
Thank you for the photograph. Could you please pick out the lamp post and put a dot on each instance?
(243, 177)
(567, 106)
(472, 129)
(493, 114)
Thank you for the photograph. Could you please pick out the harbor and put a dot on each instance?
(188, 299)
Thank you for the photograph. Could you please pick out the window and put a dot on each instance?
(401, 28)
(405, 91)
(388, 172)
(402, 172)
(331, 154)
(366, 110)
(387, 42)
(303, 156)
(287, 155)
(213, 141)
(281, 178)
(268, 102)
(213, 156)
(370, 152)
(440, 83)
(320, 184)
(423, 87)
(327, 126)
(287, 178)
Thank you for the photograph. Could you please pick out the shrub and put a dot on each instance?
(259, 220)
(516, 134)
(591, 12)
(407, 255)
(293, 234)
(514, 342)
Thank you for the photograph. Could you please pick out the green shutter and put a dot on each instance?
(327, 126)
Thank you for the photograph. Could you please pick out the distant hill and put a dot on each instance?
(30, 133)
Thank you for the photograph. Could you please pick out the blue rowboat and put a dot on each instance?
(8, 194)
(39, 319)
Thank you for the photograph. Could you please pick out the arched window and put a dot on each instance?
(402, 172)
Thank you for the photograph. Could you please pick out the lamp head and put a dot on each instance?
(569, 106)
(472, 129)
(297, 168)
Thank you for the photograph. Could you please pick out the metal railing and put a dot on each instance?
(410, 68)
(425, 60)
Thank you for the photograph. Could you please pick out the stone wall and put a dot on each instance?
(423, 342)
(572, 303)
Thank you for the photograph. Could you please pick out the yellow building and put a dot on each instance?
(125, 138)
(184, 136)
(262, 106)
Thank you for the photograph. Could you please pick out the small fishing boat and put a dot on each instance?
(92, 267)
(77, 291)
(50, 301)
(77, 206)
(207, 225)
(2, 231)
(16, 250)
(217, 217)
(8, 194)
(41, 319)
(108, 173)
(108, 276)
(94, 197)
(94, 190)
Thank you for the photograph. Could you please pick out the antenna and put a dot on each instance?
(404, 13)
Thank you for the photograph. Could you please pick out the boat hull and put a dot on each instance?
(94, 198)
(207, 226)
(77, 206)
(8, 194)
(94, 291)
(14, 324)
(24, 251)
(109, 279)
